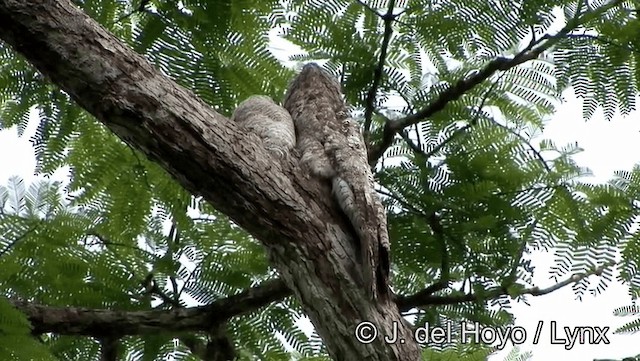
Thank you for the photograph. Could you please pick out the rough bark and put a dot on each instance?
(292, 215)
(102, 323)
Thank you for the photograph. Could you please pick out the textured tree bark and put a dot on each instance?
(292, 215)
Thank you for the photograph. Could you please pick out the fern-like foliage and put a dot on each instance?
(470, 192)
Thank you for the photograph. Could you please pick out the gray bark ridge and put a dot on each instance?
(289, 213)
(332, 147)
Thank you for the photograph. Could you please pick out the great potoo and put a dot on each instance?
(331, 146)
(262, 116)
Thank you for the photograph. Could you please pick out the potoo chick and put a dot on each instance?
(331, 146)
(262, 116)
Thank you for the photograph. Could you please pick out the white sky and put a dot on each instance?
(608, 146)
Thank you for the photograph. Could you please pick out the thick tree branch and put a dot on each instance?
(101, 323)
(307, 238)
(98, 323)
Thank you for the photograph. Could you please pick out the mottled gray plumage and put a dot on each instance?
(331, 146)
(262, 116)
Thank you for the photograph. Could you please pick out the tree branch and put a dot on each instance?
(308, 239)
(524, 140)
(13, 243)
(109, 348)
(100, 323)
(425, 297)
(370, 101)
(366, 6)
(218, 348)
(455, 91)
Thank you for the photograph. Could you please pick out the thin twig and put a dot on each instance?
(473, 121)
(602, 40)
(140, 8)
(455, 91)
(526, 141)
(424, 297)
(370, 101)
(365, 5)
(13, 243)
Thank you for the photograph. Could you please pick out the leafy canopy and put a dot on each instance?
(449, 94)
